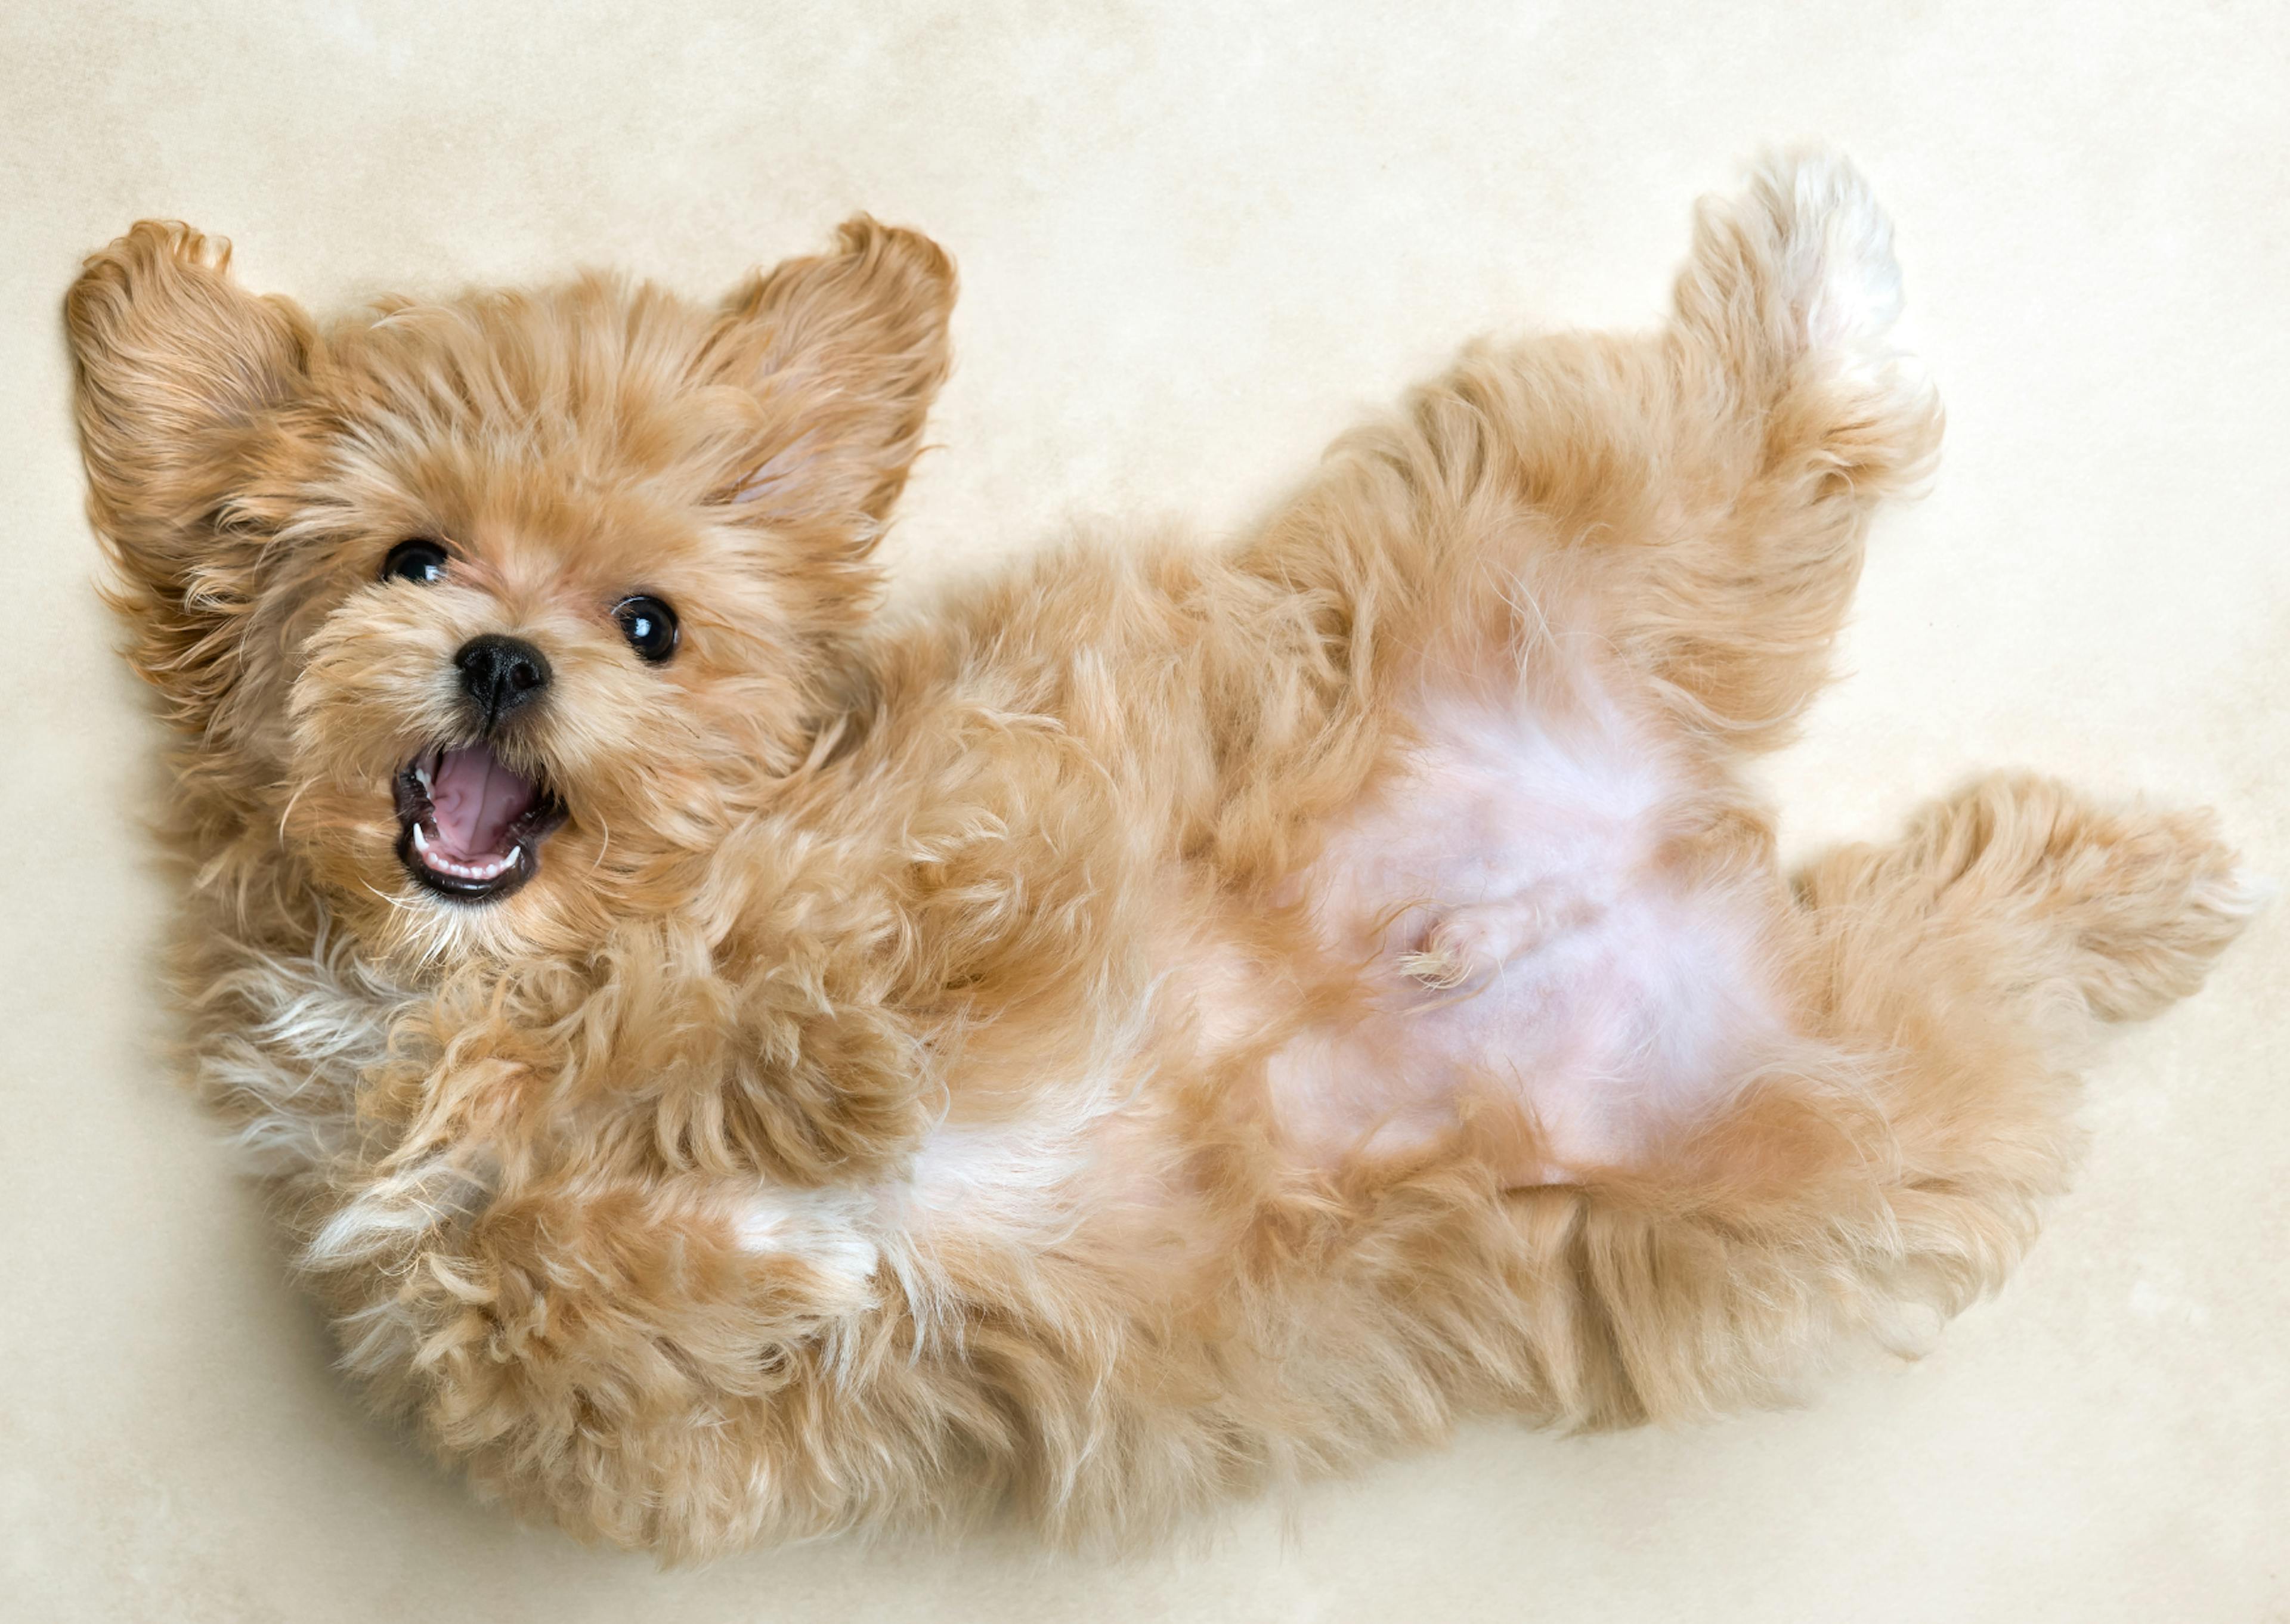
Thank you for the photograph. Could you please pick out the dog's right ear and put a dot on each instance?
(843, 353)
(176, 368)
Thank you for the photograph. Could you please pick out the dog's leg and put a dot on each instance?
(1986, 951)
(1969, 966)
(1693, 500)
(1793, 415)
(2020, 897)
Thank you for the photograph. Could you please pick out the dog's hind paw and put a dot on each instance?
(1793, 285)
(1803, 249)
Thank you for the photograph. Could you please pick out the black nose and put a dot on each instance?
(501, 674)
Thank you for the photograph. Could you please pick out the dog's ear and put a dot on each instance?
(843, 353)
(176, 369)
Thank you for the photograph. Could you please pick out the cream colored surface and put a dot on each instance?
(1195, 242)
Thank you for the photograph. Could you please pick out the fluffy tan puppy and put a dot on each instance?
(1161, 1024)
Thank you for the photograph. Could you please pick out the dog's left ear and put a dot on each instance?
(843, 353)
(177, 369)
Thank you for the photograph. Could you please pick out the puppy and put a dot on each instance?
(1164, 1023)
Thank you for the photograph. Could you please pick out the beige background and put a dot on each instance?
(1194, 244)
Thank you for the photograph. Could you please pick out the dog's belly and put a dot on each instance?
(1532, 959)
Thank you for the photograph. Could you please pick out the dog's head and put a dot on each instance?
(488, 618)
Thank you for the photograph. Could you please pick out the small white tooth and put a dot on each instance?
(516, 856)
(420, 841)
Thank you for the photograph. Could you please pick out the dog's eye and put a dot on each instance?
(416, 561)
(649, 625)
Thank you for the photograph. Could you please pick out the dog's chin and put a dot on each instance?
(471, 827)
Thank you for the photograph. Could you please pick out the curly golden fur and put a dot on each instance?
(1160, 1024)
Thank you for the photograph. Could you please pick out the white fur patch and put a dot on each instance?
(1837, 248)
(1019, 1174)
(818, 1227)
(292, 1080)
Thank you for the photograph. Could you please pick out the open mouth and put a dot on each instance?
(472, 825)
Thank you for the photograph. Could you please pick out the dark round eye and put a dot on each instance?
(649, 625)
(418, 560)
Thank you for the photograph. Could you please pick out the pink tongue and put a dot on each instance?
(476, 799)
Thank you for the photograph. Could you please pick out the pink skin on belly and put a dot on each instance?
(1521, 944)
